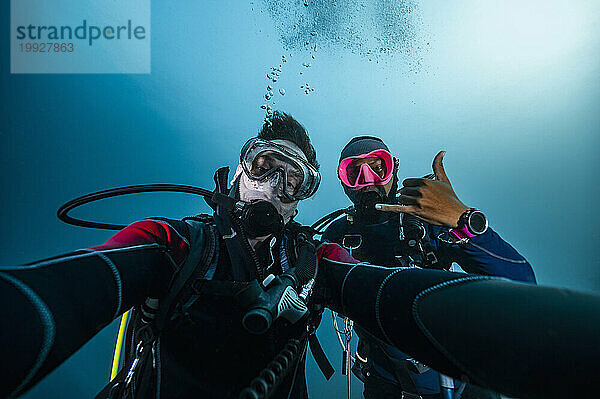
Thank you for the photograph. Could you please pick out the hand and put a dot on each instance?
(434, 201)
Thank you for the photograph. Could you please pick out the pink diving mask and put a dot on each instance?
(356, 175)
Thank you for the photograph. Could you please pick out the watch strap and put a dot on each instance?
(462, 232)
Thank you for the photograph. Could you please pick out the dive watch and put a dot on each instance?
(472, 223)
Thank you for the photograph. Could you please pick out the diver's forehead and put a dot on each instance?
(293, 147)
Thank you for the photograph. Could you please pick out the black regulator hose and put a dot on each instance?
(63, 211)
(322, 223)
(270, 378)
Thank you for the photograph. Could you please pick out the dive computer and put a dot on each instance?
(472, 223)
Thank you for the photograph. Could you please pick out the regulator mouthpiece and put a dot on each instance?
(260, 218)
(365, 206)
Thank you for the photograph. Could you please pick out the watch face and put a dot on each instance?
(477, 223)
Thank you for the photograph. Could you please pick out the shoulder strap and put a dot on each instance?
(302, 237)
(320, 356)
(202, 237)
(197, 261)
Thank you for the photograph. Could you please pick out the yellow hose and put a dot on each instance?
(118, 345)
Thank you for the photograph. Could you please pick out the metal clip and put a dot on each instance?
(431, 258)
(138, 353)
(445, 237)
(352, 241)
(408, 395)
(416, 366)
(307, 290)
(347, 358)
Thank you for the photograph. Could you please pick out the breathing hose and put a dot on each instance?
(269, 379)
(63, 211)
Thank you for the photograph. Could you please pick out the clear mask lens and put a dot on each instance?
(292, 175)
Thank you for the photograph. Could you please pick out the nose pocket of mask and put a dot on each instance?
(367, 175)
(274, 179)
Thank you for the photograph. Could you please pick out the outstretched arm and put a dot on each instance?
(505, 336)
(52, 307)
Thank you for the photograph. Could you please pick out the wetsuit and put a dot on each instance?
(204, 352)
(487, 254)
(512, 337)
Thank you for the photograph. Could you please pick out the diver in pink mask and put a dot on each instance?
(422, 224)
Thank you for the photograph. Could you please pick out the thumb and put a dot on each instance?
(438, 167)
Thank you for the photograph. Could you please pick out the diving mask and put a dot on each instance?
(283, 168)
(373, 168)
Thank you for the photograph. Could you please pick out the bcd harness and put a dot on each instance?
(415, 250)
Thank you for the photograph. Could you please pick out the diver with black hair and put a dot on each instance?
(423, 224)
(225, 305)
(190, 283)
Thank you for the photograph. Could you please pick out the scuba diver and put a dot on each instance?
(224, 305)
(190, 283)
(394, 234)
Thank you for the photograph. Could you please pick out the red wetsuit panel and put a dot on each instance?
(160, 232)
(335, 252)
(148, 232)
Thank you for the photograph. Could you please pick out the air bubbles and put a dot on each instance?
(271, 89)
(389, 28)
(306, 88)
(268, 113)
(274, 74)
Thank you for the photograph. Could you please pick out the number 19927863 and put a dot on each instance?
(47, 47)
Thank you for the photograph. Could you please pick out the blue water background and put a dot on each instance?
(509, 89)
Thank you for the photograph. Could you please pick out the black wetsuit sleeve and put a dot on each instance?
(505, 336)
(52, 307)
